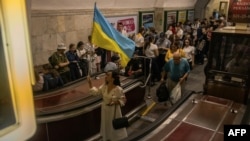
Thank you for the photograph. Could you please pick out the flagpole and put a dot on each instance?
(92, 46)
(91, 56)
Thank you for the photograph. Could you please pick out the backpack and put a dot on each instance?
(162, 93)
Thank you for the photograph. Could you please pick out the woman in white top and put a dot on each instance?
(189, 52)
(92, 56)
(83, 62)
(169, 31)
(151, 51)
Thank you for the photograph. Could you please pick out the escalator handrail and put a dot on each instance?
(79, 110)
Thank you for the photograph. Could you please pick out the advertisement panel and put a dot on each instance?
(129, 23)
(171, 17)
(239, 11)
(148, 20)
(182, 16)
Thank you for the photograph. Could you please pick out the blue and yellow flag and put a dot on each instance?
(106, 36)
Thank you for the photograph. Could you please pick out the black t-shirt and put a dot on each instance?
(135, 63)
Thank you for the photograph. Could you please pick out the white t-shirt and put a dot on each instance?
(180, 33)
(81, 53)
(169, 33)
(189, 52)
(149, 52)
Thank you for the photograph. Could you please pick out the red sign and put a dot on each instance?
(128, 24)
(239, 11)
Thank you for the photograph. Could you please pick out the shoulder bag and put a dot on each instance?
(119, 122)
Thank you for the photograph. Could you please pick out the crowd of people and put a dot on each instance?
(173, 55)
(189, 40)
(78, 61)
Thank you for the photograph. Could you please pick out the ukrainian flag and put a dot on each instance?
(106, 36)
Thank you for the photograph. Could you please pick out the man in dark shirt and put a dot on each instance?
(73, 62)
(134, 67)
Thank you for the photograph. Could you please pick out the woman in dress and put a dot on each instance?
(113, 98)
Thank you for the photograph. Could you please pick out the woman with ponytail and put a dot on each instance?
(151, 51)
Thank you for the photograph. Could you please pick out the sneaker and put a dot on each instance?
(96, 77)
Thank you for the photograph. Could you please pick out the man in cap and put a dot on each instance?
(60, 62)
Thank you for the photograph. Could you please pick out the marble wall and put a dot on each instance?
(50, 27)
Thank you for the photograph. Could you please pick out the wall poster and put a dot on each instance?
(182, 15)
(223, 8)
(239, 11)
(129, 23)
(146, 19)
(190, 15)
(169, 18)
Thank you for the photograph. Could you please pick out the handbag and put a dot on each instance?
(119, 122)
(176, 93)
